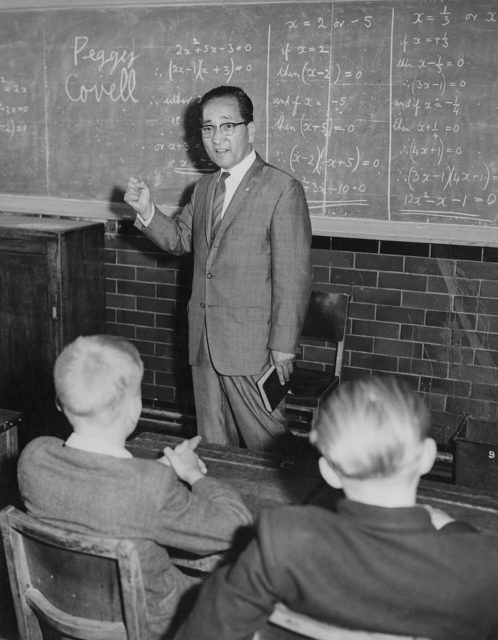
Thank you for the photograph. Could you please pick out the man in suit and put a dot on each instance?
(378, 561)
(91, 484)
(250, 234)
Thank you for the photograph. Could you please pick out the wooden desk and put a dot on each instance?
(265, 479)
(479, 508)
(262, 479)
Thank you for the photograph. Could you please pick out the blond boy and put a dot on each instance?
(376, 562)
(90, 483)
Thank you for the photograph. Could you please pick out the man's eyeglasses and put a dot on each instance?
(227, 129)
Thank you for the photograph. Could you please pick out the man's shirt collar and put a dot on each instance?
(239, 170)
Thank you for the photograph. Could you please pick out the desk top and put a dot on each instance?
(267, 479)
(9, 419)
(262, 479)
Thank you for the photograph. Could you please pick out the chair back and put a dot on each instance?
(69, 584)
(288, 625)
(326, 316)
(326, 319)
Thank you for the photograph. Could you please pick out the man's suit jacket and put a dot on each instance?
(131, 498)
(251, 284)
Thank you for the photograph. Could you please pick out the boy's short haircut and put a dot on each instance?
(95, 373)
(371, 427)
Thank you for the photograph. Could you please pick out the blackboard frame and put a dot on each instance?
(322, 226)
(82, 4)
(333, 227)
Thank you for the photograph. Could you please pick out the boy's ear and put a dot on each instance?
(329, 474)
(428, 456)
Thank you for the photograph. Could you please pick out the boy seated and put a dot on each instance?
(92, 484)
(378, 563)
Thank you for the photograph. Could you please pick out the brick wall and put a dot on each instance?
(147, 291)
(428, 312)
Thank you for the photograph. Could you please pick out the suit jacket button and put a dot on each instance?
(202, 305)
(209, 276)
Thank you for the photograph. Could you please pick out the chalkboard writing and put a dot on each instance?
(383, 110)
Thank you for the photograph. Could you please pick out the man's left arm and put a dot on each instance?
(291, 275)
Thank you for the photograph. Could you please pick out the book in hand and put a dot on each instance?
(272, 392)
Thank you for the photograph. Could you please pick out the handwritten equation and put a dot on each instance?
(438, 142)
(14, 107)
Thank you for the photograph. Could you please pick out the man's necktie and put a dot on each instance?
(218, 201)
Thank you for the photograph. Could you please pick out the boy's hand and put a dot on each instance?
(439, 518)
(185, 462)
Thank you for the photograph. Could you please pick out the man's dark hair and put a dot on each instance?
(227, 91)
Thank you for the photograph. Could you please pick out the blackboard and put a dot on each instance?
(387, 112)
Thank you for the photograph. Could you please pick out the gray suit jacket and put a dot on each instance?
(131, 498)
(251, 285)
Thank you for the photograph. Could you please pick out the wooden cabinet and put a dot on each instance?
(11, 423)
(51, 291)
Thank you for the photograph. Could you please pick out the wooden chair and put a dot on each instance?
(68, 584)
(326, 322)
(288, 625)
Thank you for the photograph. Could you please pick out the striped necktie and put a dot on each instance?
(218, 201)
